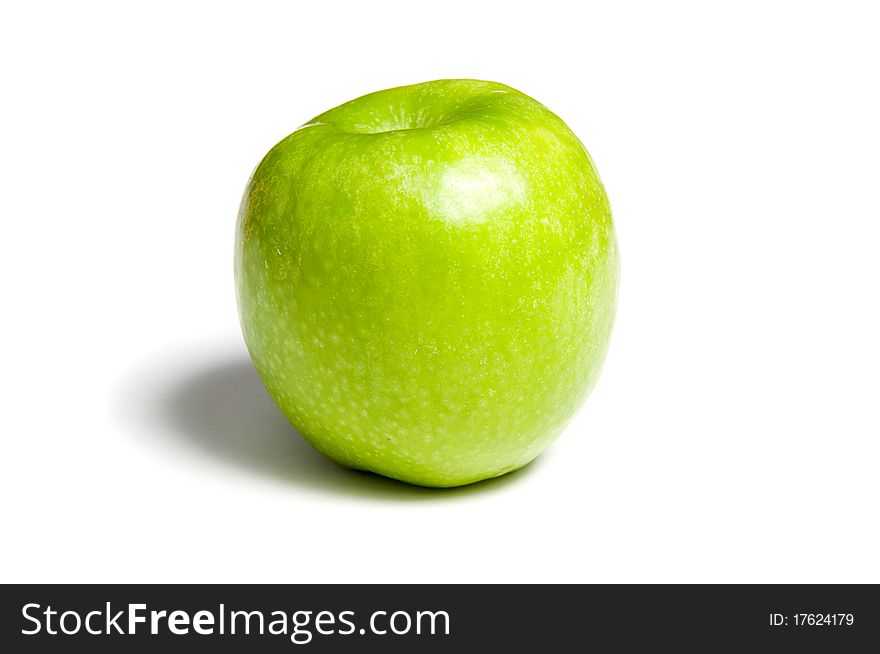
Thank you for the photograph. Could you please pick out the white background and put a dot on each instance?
(733, 436)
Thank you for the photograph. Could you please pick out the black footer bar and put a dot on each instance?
(438, 618)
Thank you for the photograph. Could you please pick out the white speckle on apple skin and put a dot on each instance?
(432, 303)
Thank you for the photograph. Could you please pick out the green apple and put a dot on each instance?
(427, 280)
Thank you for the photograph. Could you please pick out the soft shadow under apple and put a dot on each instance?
(220, 408)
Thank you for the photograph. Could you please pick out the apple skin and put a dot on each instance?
(427, 280)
